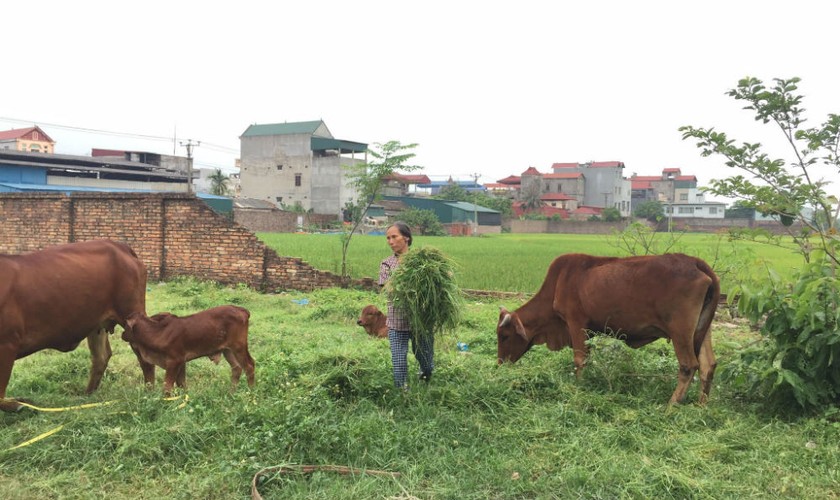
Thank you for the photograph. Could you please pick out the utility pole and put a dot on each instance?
(190, 145)
(475, 208)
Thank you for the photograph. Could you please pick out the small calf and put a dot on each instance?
(169, 341)
(373, 321)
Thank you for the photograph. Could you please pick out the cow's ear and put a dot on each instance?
(520, 328)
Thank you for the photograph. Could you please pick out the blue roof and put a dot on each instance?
(20, 187)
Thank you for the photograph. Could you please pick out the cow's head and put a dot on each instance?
(511, 337)
(369, 316)
(130, 322)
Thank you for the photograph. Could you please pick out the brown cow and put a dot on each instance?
(640, 299)
(57, 297)
(169, 341)
(373, 321)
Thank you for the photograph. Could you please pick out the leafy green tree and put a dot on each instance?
(800, 319)
(425, 222)
(368, 180)
(739, 210)
(452, 191)
(219, 183)
(611, 214)
(500, 204)
(650, 210)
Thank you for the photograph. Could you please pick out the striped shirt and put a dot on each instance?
(397, 319)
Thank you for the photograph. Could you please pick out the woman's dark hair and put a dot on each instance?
(404, 230)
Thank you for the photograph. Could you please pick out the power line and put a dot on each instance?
(212, 146)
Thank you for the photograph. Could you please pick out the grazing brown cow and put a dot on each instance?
(639, 299)
(169, 341)
(57, 297)
(373, 321)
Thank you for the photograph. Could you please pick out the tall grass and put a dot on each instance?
(324, 395)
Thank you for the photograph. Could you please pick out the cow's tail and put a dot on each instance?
(710, 304)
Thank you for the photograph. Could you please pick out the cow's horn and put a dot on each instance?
(505, 320)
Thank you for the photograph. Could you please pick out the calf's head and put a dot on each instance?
(371, 319)
(511, 337)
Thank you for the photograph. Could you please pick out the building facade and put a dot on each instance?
(31, 139)
(298, 164)
(678, 194)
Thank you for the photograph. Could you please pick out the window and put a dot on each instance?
(297, 180)
(279, 198)
(279, 167)
(35, 136)
(713, 210)
(684, 197)
(686, 210)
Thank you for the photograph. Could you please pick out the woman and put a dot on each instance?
(399, 239)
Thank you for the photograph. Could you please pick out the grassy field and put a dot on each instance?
(518, 262)
(324, 396)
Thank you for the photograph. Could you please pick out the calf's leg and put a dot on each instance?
(688, 362)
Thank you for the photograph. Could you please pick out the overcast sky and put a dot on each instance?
(483, 87)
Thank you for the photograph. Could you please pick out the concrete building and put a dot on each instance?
(678, 194)
(604, 184)
(298, 164)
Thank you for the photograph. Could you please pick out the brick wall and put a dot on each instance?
(174, 234)
(278, 221)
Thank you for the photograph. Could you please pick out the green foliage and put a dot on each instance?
(801, 361)
(455, 192)
(611, 214)
(798, 320)
(219, 183)
(368, 179)
(650, 210)
(424, 222)
(424, 287)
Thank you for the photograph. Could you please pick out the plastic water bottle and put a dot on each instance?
(462, 346)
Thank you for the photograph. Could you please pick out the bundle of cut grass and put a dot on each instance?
(424, 287)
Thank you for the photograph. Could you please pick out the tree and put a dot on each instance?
(368, 179)
(650, 210)
(452, 191)
(219, 183)
(425, 222)
(800, 319)
(611, 214)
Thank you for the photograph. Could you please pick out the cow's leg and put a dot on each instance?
(235, 367)
(684, 349)
(707, 367)
(173, 368)
(578, 337)
(100, 354)
(7, 360)
(249, 368)
(181, 377)
(147, 368)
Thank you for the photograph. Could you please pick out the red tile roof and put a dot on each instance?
(518, 211)
(531, 171)
(596, 164)
(511, 179)
(16, 133)
(564, 165)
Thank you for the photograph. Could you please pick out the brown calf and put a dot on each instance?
(373, 321)
(170, 341)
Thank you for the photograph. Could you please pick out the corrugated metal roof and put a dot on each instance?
(282, 128)
(470, 207)
(325, 143)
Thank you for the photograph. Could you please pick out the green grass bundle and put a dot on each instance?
(424, 287)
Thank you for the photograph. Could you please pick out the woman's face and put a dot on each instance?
(396, 240)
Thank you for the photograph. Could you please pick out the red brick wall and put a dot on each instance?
(174, 234)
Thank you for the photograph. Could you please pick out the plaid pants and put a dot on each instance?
(424, 353)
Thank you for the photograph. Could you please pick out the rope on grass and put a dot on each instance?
(309, 469)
